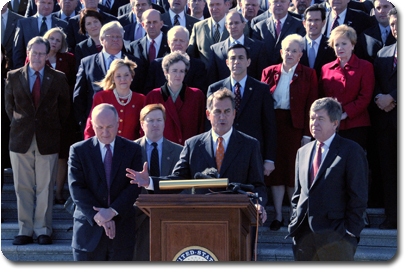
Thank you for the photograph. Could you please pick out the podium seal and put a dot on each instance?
(195, 253)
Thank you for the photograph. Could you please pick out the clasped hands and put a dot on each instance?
(103, 218)
(385, 102)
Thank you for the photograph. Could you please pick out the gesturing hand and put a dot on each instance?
(140, 178)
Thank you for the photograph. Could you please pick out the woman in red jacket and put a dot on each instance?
(351, 81)
(116, 85)
(185, 106)
(294, 88)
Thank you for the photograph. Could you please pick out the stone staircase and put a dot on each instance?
(375, 244)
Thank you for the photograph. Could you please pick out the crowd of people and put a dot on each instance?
(167, 69)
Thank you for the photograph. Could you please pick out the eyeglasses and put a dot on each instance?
(40, 54)
(196, 1)
(113, 36)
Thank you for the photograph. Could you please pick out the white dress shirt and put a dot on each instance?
(157, 43)
(331, 20)
(48, 21)
(281, 94)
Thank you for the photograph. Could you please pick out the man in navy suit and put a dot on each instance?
(93, 68)
(31, 8)
(9, 20)
(125, 9)
(176, 15)
(113, 7)
(385, 120)
(274, 29)
(20, 9)
(132, 22)
(330, 192)
(68, 9)
(104, 217)
(255, 114)
(34, 26)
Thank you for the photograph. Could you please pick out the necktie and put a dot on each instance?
(111, 58)
(36, 89)
(219, 153)
(152, 51)
(237, 98)
(107, 167)
(139, 32)
(44, 27)
(312, 54)
(108, 4)
(335, 23)
(154, 161)
(216, 37)
(67, 18)
(176, 21)
(316, 163)
(278, 28)
(395, 60)
(16, 5)
(3, 28)
(384, 36)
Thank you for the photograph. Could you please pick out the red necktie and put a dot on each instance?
(316, 163)
(278, 28)
(152, 51)
(36, 89)
(107, 167)
(219, 153)
(237, 98)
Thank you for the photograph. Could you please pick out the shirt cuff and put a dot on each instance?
(269, 161)
(116, 212)
(151, 185)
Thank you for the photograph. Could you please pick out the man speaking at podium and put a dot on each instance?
(235, 155)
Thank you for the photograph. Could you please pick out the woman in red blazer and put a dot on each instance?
(294, 88)
(117, 92)
(185, 106)
(350, 80)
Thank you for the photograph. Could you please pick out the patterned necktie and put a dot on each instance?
(395, 60)
(108, 4)
(237, 98)
(36, 89)
(316, 163)
(139, 32)
(154, 161)
(216, 37)
(107, 167)
(44, 27)
(152, 51)
(335, 23)
(312, 54)
(176, 21)
(219, 153)
(278, 28)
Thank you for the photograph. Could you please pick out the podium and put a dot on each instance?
(187, 227)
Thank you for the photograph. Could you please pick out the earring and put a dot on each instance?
(113, 82)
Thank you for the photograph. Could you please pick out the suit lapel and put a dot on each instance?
(143, 43)
(329, 158)
(95, 153)
(272, 28)
(322, 48)
(207, 149)
(117, 158)
(234, 146)
(166, 158)
(285, 29)
(24, 80)
(46, 82)
(143, 146)
(208, 32)
(248, 90)
(100, 61)
(11, 24)
(224, 48)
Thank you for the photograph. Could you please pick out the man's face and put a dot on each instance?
(37, 56)
(279, 8)
(178, 41)
(112, 40)
(338, 5)
(382, 7)
(221, 116)
(153, 125)
(321, 127)
(151, 23)
(140, 6)
(249, 8)
(237, 62)
(105, 126)
(217, 9)
(235, 26)
(196, 6)
(68, 6)
(393, 26)
(313, 24)
(90, 4)
(301, 5)
(177, 6)
(44, 7)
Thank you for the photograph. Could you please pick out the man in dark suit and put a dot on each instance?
(37, 103)
(72, 30)
(125, 9)
(104, 216)
(255, 114)
(377, 36)
(68, 9)
(274, 29)
(198, 9)
(235, 154)
(316, 51)
(93, 68)
(20, 8)
(265, 15)
(34, 26)
(9, 21)
(176, 15)
(134, 16)
(340, 14)
(164, 156)
(235, 25)
(300, 6)
(250, 9)
(112, 6)
(31, 8)
(177, 39)
(331, 190)
(385, 120)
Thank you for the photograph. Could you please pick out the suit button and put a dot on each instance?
(120, 120)
(119, 131)
(121, 110)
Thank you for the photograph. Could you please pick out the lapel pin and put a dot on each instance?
(250, 89)
(296, 75)
(60, 59)
(168, 158)
(277, 75)
(133, 106)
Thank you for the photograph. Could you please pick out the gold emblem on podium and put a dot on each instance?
(195, 253)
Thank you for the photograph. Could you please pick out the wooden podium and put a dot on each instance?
(199, 227)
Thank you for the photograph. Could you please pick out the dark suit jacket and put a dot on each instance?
(189, 21)
(195, 77)
(338, 197)
(88, 188)
(9, 34)
(357, 19)
(265, 15)
(92, 69)
(27, 29)
(256, 116)
(126, 19)
(22, 8)
(83, 49)
(31, 9)
(218, 69)
(386, 83)
(114, 9)
(125, 9)
(58, 14)
(370, 42)
(266, 30)
(45, 122)
(325, 54)
(242, 162)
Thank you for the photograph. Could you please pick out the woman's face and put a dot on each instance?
(291, 54)
(343, 47)
(55, 41)
(93, 26)
(122, 78)
(176, 74)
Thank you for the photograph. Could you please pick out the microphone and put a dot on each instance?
(208, 173)
(244, 187)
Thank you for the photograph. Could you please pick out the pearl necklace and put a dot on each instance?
(128, 97)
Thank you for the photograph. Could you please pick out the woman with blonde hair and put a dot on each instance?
(117, 92)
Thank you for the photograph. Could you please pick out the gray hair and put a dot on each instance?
(293, 38)
(175, 57)
(329, 104)
(38, 40)
(132, 2)
(99, 108)
(176, 29)
(110, 25)
(221, 94)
